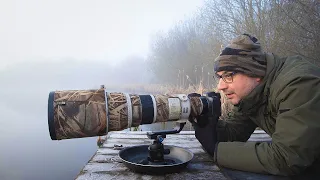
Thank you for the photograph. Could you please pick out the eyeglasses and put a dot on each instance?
(227, 77)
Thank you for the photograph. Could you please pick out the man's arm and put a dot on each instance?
(209, 131)
(236, 128)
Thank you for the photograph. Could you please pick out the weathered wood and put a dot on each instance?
(106, 164)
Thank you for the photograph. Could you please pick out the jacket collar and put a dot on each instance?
(259, 95)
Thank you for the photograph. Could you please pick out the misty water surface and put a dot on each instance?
(27, 152)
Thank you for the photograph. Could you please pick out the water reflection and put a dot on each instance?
(27, 152)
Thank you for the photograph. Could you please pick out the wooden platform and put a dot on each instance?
(106, 164)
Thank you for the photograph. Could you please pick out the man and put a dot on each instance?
(279, 95)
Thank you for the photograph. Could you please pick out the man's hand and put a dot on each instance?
(207, 135)
(194, 118)
(205, 125)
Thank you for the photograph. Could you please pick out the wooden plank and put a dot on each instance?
(106, 164)
(181, 132)
(145, 132)
(185, 144)
(119, 172)
(139, 136)
(258, 135)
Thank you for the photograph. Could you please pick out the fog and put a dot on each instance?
(65, 45)
(27, 152)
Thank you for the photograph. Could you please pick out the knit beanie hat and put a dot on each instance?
(243, 54)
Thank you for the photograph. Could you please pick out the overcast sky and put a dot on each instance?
(48, 45)
(43, 30)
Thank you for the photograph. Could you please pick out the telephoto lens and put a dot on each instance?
(87, 113)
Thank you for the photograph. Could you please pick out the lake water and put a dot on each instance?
(27, 152)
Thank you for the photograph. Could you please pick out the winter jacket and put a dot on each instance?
(286, 105)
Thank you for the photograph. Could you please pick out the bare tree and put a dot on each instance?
(185, 54)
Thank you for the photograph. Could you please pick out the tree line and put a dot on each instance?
(184, 55)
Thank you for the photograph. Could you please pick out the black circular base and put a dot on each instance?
(136, 159)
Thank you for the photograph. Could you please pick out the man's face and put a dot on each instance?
(237, 86)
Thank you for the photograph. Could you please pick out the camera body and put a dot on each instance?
(87, 113)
